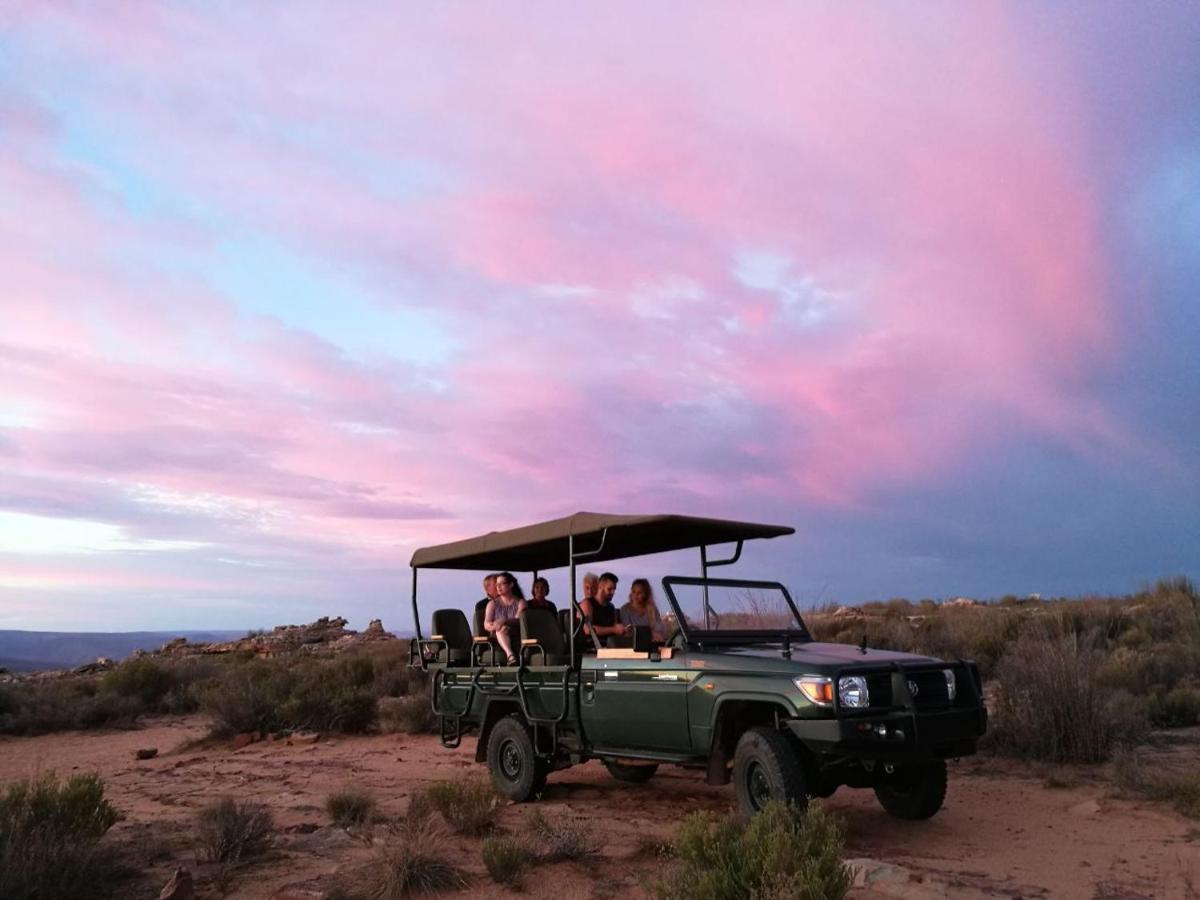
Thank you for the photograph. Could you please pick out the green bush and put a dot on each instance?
(469, 807)
(777, 853)
(505, 859)
(231, 831)
(142, 679)
(351, 807)
(49, 831)
(407, 715)
(1178, 708)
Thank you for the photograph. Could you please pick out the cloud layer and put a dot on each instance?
(286, 296)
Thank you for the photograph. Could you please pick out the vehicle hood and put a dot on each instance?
(816, 654)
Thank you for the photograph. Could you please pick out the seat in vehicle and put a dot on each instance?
(450, 627)
(488, 652)
(542, 640)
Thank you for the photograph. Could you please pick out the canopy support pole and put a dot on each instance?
(416, 614)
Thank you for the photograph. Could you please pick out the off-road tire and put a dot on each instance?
(914, 792)
(630, 774)
(767, 767)
(517, 772)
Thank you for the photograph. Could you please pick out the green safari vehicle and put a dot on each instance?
(739, 689)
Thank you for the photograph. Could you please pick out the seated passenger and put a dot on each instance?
(503, 616)
(589, 586)
(640, 610)
(601, 611)
(541, 591)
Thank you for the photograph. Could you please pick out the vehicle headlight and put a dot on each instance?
(816, 688)
(951, 685)
(852, 692)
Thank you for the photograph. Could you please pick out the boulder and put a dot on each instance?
(146, 753)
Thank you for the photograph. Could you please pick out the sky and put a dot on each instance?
(288, 290)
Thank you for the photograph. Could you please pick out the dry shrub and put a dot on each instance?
(779, 853)
(231, 831)
(469, 807)
(49, 832)
(1051, 705)
(1177, 785)
(505, 859)
(407, 715)
(412, 859)
(351, 807)
(558, 840)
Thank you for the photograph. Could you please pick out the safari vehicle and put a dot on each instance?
(740, 689)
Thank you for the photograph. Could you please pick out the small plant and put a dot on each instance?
(407, 715)
(778, 853)
(49, 831)
(558, 840)
(411, 860)
(505, 859)
(230, 831)
(469, 807)
(350, 807)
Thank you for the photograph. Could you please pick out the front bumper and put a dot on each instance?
(899, 736)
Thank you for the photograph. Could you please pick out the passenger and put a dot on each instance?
(589, 586)
(489, 587)
(503, 616)
(602, 612)
(541, 591)
(640, 610)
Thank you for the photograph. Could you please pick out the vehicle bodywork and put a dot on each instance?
(766, 707)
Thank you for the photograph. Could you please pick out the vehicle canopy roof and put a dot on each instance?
(546, 545)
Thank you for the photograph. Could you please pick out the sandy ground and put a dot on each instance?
(1002, 833)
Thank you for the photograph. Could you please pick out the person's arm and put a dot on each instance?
(489, 620)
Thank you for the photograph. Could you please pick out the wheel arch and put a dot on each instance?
(493, 712)
(733, 714)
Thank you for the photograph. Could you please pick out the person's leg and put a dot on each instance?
(504, 639)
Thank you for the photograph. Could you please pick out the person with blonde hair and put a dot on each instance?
(640, 610)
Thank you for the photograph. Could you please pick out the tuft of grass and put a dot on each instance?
(407, 715)
(1178, 786)
(231, 832)
(412, 859)
(778, 853)
(351, 807)
(469, 807)
(49, 832)
(506, 859)
(557, 840)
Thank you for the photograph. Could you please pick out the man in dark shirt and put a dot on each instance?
(601, 612)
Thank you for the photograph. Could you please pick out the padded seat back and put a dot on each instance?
(541, 625)
(452, 625)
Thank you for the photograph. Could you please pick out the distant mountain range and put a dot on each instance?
(31, 651)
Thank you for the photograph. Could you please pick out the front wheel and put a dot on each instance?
(766, 767)
(913, 792)
(516, 770)
(630, 773)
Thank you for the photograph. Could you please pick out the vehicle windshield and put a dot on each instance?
(732, 607)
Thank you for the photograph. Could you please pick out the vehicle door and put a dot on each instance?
(636, 703)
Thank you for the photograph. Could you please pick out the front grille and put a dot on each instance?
(930, 687)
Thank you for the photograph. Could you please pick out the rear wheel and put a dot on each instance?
(630, 773)
(766, 767)
(913, 792)
(516, 770)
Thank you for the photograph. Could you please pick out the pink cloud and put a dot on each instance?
(932, 196)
